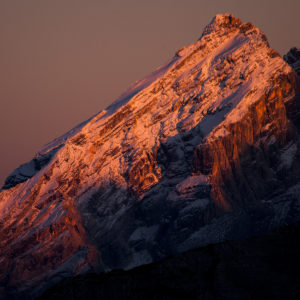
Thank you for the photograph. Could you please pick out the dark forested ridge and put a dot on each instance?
(264, 267)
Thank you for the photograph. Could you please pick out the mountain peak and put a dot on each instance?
(223, 24)
(226, 20)
(221, 21)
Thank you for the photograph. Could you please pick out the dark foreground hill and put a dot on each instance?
(264, 267)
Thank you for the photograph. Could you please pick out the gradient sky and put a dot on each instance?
(64, 60)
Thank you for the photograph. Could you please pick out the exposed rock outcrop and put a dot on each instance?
(293, 58)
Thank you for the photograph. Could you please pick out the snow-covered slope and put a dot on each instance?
(195, 153)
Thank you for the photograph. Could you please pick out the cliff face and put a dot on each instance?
(203, 150)
(293, 58)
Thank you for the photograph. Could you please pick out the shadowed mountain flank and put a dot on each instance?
(257, 268)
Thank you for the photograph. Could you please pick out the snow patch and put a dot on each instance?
(199, 203)
(144, 233)
(139, 258)
(191, 181)
(287, 156)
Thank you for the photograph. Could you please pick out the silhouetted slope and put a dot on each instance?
(265, 267)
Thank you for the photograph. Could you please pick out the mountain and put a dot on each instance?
(203, 150)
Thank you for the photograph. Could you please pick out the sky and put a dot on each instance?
(62, 61)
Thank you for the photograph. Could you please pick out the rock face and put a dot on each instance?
(203, 150)
(264, 267)
(293, 58)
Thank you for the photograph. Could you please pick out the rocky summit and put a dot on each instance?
(203, 150)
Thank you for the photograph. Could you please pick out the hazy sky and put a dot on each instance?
(64, 60)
